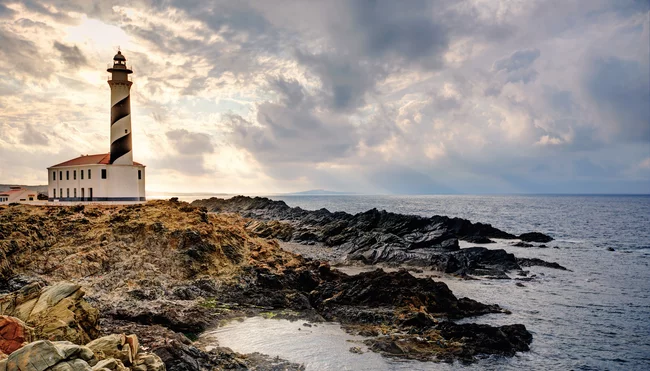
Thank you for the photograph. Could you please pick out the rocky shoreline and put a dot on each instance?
(380, 237)
(161, 273)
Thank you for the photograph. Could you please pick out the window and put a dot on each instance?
(67, 191)
(61, 192)
(82, 194)
(75, 192)
(67, 175)
(90, 194)
(54, 193)
(74, 175)
(139, 174)
(60, 175)
(82, 174)
(54, 175)
(103, 173)
(31, 198)
(88, 173)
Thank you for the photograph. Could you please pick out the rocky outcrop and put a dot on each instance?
(476, 261)
(56, 312)
(375, 236)
(45, 355)
(165, 271)
(380, 291)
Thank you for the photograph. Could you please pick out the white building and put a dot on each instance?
(18, 194)
(112, 176)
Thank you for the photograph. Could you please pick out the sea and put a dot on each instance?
(594, 316)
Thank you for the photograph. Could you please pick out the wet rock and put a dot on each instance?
(477, 239)
(485, 339)
(522, 244)
(476, 261)
(356, 350)
(379, 289)
(530, 262)
(373, 236)
(535, 237)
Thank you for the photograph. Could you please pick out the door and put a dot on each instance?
(90, 191)
(82, 194)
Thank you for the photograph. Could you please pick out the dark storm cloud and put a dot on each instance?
(293, 130)
(345, 82)
(621, 88)
(71, 55)
(390, 27)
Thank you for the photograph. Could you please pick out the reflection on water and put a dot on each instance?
(324, 346)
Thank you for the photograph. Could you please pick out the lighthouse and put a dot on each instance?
(121, 139)
(106, 177)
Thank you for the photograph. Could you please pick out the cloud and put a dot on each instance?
(186, 152)
(422, 96)
(71, 55)
(32, 136)
(521, 59)
(189, 143)
(621, 90)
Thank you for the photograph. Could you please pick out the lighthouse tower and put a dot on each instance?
(106, 177)
(121, 140)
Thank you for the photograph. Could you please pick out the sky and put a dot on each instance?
(376, 97)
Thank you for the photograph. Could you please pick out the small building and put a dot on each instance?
(93, 178)
(18, 194)
(105, 177)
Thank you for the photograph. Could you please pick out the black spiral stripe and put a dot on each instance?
(120, 147)
(121, 109)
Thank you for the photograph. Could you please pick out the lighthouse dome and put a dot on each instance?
(119, 57)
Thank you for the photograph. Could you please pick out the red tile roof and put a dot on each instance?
(14, 190)
(90, 160)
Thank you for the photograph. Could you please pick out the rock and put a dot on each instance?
(356, 350)
(610, 249)
(477, 239)
(147, 362)
(529, 262)
(13, 334)
(56, 312)
(373, 236)
(522, 244)
(485, 339)
(114, 346)
(110, 364)
(46, 355)
(381, 290)
(535, 237)
(476, 261)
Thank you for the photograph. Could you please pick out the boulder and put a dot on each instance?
(47, 355)
(13, 334)
(57, 312)
(115, 346)
(535, 237)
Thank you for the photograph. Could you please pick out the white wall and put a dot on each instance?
(121, 182)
